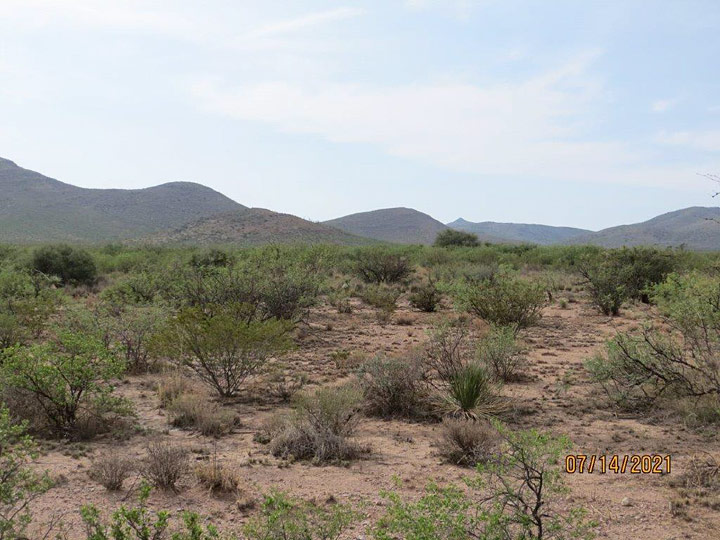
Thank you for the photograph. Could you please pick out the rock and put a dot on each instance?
(626, 502)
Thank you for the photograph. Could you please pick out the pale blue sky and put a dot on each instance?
(582, 113)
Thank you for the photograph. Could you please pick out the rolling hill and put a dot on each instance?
(256, 226)
(517, 232)
(398, 225)
(35, 208)
(696, 227)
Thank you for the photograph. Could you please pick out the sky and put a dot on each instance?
(587, 114)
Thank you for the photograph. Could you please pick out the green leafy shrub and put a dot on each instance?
(140, 523)
(321, 427)
(394, 387)
(503, 300)
(70, 377)
(19, 484)
(285, 518)
(73, 266)
(426, 297)
(512, 496)
(501, 354)
(133, 329)
(678, 361)
(211, 258)
(380, 265)
(221, 348)
(451, 237)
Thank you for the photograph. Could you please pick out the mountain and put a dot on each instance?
(35, 208)
(518, 232)
(256, 226)
(696, 227)
(399, 225)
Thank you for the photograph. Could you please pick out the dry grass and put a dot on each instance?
(217, 478)
(165, 464)
(197, 411)
(467, 442)
(110, 470)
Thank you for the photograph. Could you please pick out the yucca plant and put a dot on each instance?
(472, 393)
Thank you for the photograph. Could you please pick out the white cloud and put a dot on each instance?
(306, 21)
(663, 105)
(707, 141)
(530, 128)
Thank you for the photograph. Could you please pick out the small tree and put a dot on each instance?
(451, 237)
(69, 377)
(221, 348)
(19, 485)
(74, 266)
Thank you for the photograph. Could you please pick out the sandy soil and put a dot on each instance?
(556, 396)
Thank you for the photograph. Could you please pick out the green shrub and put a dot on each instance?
(380, 265)
(674, 362)
(19, 484)
(221, 348)
(321, 427)
(140, 523)
(70, 377)
(515, 495)
(425, 297)
(501, 354)
(503, 300)
(394, 387)
(451, 237)
(643, 268)
(284, 518)
(380, 296)
(73, 266)
(211, 258)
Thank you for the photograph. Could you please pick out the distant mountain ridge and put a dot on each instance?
(397, 225)
(697, 227)
(518, 232)
(256, 226)
(36, 208)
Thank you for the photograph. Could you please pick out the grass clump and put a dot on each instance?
(394, 387)
(467, 442)
(321, 427)
(111, 470)
(197, 411)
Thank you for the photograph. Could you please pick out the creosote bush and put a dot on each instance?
(503, 300)
(426, 297)
(380, 265)
(501, 354)
(451, 237)
(73, 266)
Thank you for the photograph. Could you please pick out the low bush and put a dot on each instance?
(451, 237)
(394, 387)
(503, 300)
(321, 427)
(607, 285)
(380, 265)
(216, 477)
(446, 352)
(164, 465)
(110, 470)
(172, 385)
(284, 518)
(380, 296)
(73, 266)
(19, 483)
(501, 354)
(425, 297)
(70, 378)
(516, 495)
(467, 442)
(197, 411)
